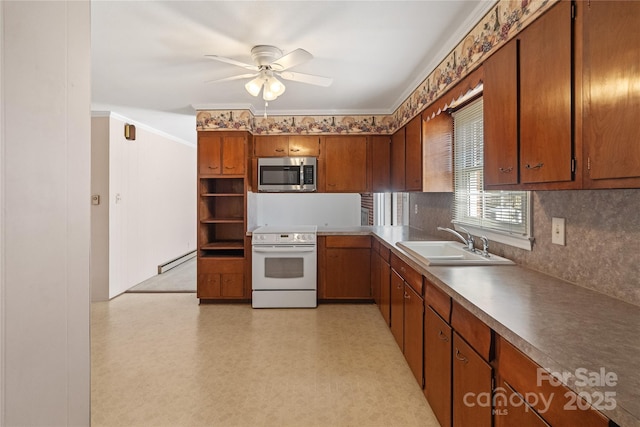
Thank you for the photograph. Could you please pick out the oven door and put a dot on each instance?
(284, 267)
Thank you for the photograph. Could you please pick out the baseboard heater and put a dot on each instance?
(163, 268)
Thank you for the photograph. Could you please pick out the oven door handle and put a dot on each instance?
(283, 249)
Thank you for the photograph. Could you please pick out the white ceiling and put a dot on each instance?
(148, 60)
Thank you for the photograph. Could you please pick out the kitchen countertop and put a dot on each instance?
(561, 326)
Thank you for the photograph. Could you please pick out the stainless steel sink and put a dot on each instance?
(449, 253)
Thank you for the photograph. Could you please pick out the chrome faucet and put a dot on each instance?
(468, 241)
(485, 246)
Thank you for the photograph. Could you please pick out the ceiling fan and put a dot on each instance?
(270, 63)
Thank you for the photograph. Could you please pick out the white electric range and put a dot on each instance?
(284, 266)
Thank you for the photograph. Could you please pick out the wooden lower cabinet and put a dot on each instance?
(397, 308)
(345, 267)
(563, 407)
(472, 381)
(220, 278)
(385, 286)
(511, 410)
(437, 365)
(407, 315)
(413, 332)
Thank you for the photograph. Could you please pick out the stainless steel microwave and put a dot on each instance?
(287, 174)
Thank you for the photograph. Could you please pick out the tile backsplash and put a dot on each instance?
(602, 249)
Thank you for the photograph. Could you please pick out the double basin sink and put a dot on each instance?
(449, 253)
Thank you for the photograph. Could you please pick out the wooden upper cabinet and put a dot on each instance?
(437, 161)
(380, 164)
(546, 137)
(220, 154)
(271, 146)
(500, 103)
(287, 146)
(304, 146)
(209, 154)
(413, 154)
(234, 155)
(611, 68)
(398, 160)
(345, 164)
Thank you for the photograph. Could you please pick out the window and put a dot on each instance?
(502, 216)
(391, 208)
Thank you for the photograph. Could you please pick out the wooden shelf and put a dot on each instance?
(224, 244)
(222, 221)
(222, 195)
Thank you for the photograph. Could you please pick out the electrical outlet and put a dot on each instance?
(557, 231)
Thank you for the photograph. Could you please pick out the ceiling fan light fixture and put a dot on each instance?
(275, 86)
(254, 86)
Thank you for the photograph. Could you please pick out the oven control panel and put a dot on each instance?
(284, 238)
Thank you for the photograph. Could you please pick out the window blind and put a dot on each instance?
(501, 211)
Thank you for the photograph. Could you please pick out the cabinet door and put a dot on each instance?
(397, 160)
(232, 285)
(375, 276)
(437, 366)
(348, 273)
(397, 308)
(500, 103)
(546, 97)
(413, 155)
(346, 164)
(612, 99)
(271, 146)
(380, 164)
(208, 285)
(233, 155)
(471, 386)
(385, 291)
(304, 146)
(437, 144)
(413, 332)
(209, 154)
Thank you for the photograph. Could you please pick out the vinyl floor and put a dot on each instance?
(161, 359)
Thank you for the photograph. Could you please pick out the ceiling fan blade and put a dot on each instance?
(306, 78)
(238, 77)
(291, 59)
(233, 62)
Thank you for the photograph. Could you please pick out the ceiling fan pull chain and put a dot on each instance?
(266, 104)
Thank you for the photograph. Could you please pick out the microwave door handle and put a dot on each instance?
(283, 249)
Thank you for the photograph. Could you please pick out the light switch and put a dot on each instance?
(557, 231)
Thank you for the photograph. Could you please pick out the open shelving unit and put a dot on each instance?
(222, 189)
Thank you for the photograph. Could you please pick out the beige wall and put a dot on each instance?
(602, 249)
(44, 197)
(147, 211)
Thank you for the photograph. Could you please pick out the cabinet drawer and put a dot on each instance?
(385, 253)
(213, 265)
(438, 300)
(522, 373)
(412, 277)
(375, 245)
(348, 241)
(469, 327)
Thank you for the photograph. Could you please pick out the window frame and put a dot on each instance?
(473, 164)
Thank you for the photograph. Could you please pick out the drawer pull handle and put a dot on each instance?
(538, 166)
(461, 357)
(295, 150)
(213, 167)
(506, 170)
(443, 337)
(407, 296)
(280, 150)
(229, 167)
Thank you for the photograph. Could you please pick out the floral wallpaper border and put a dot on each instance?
(499, 25)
